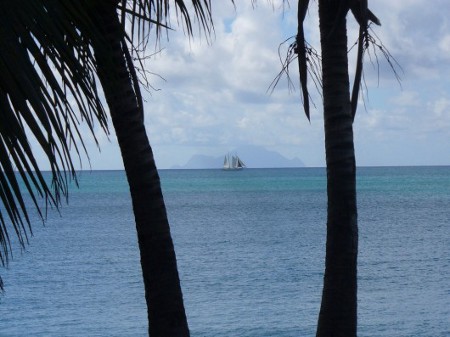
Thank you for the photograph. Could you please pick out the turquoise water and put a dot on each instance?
(250, 249)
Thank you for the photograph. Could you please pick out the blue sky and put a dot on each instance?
(214, 95)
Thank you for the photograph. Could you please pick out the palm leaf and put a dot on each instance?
(144, 14)
(301, 51)
(362, 14)
(47, 89)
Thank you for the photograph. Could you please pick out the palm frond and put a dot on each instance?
(362, 14)
(301, 52)
(313, 68)
(371, 45)
(144, 14)
(47, 89)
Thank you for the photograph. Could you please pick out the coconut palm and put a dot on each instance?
(166, 311)
(338, 312)
(51, 55)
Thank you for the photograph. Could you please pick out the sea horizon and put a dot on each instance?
(253, 168)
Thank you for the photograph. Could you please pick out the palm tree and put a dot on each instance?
(63, 34)
(338, 312)
(163, 294)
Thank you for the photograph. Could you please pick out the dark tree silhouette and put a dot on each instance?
(163, 294)
(38, 35)
(338, 312)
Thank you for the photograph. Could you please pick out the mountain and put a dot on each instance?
(253, 157)
(259, 157)
(200, 161)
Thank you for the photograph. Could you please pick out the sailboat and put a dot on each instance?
(232, 163)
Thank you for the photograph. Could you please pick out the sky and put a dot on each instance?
(212, 94)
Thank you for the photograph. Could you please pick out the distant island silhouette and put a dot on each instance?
(252, 155)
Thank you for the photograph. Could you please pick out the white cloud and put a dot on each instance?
(441, 107)
(444, 45)
(407, 99)
(221, 87)
(214, 97)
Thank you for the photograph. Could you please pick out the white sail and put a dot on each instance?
(226, 162)
(232, 162)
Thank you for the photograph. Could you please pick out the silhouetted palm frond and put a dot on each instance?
(47, 88)
(313, 69)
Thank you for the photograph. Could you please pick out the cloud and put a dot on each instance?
(218, 93)
(407, 99)
(214, 94)
(412, 30)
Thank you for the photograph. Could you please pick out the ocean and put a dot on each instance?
(250, 248)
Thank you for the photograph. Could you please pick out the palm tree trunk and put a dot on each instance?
(166, 311)
(338, 312)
